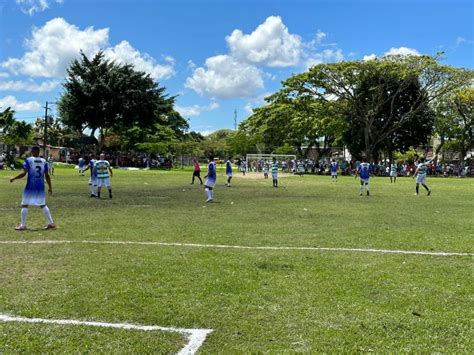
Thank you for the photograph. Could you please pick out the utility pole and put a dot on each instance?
(235, 119)
(45, 136)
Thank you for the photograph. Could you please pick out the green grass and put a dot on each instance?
(255, 300)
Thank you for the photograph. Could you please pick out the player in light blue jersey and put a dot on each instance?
(37, 170)
(364, 171)
(228, 171)
(211, 178)
(81, 164)
(333, 168)
(420, 174)
(93, 179)
(393, 172)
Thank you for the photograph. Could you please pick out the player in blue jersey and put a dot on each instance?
(228, 171)
(364, 171)
(334, 167)
(93, 178)
(81, 164)
(37, 170)
(211, 178)
(420, 174)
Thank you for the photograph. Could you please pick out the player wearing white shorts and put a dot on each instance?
(334, 167)
(363, 171)
(93, 178)
(393, 172)
(420, 174)
(211, 178)
(102, 168)
(37, 170)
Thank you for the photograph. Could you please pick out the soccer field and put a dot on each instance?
(308, 267)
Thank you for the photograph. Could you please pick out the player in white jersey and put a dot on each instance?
(93, 178)
(37, 170)
(334, 167)
(364, 171)
(51, 164)
(420, 174)
(102, 168)
(393, 172)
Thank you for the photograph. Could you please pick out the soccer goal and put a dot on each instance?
(256, 162)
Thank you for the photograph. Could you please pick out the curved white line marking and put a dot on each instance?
(195, 337)
(221, 246)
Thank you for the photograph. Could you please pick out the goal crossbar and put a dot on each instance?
(270, 157)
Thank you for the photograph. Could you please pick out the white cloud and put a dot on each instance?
(460, 40)
(124, 53)
(11, 101)
(4, 75)
(18, 85)
(325, 56)
(224, 77)
(270, 44)
(402, 51)
(53, 46)
(31, 6)
(248, 109)
(191, 65)
(369, 57)
(196, 110)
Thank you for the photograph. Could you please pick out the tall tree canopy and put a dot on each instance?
(377, 106)
(13, 131)
(106, 97)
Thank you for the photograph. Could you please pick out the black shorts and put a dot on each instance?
(197, 173)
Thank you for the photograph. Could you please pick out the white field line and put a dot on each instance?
(195, 337)
(221, 246)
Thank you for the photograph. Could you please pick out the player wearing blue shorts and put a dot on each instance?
(334, 167)
(211, 178)
(364, 171)
(37, 170)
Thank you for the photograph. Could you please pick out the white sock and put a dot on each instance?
(47, 214)
(96, 190)
(208, 193)
(367, 187)
(212, 193)
(360, 189)
(24, 214)
(91, 188)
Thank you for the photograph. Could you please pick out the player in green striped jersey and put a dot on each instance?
(275, 172)
(102, 168)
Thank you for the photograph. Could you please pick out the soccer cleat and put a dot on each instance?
(429, 193)
(360, 194)
(20, 228)
(50, 226)
(415, 194)
(92, 195)
(368, 194)
(209, 200)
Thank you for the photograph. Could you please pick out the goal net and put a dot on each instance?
(256, 162)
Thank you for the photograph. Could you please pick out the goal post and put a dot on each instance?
(256, 162)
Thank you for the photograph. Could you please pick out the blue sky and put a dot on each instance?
(218, 56)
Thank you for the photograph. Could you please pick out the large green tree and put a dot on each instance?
(105, 97)
(382, 99)
(12, 131)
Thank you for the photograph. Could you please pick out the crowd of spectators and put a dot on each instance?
(346, 167)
